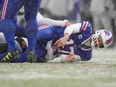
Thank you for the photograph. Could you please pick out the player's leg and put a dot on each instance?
(20, 44)
(40, 51)
(31, 9)
(7, 26)
(4, 50)
(31, 23)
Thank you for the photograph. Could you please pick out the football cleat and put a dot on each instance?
(11, 56)
(31, 56)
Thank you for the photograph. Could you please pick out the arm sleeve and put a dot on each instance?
(42, 20)
(74, 28)
(61, 59)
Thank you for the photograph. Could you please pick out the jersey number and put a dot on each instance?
(68, 49)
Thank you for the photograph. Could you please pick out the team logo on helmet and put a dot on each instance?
(107, 32)
(80, 37)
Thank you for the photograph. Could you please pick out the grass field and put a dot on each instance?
(99, 72)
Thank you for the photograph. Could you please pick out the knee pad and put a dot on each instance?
(31, 27)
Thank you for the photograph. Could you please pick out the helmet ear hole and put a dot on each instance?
(97, 32)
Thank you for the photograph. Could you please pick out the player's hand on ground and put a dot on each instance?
(61, 42)
(69, 58)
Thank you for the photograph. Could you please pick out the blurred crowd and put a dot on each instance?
(101, 13)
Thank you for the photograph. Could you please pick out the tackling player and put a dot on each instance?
(7, 26)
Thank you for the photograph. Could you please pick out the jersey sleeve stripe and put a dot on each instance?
(42, 27)
(4, 9)
(84, 26)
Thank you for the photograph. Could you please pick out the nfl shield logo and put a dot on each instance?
(80, 37)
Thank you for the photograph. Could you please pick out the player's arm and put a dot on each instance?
(71, 58)
(74, 28)
(43, 20)
(66, 59)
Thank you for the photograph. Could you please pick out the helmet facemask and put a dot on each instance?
(97, 41)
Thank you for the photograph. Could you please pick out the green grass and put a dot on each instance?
(99, 72)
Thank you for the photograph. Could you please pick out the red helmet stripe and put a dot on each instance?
(109, 41)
